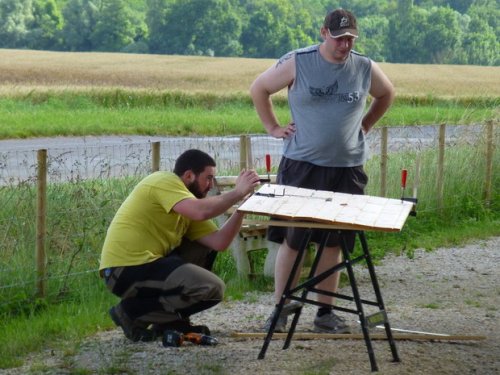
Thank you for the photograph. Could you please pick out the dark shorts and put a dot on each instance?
(350, 180)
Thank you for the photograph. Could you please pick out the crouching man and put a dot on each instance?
(161, 244)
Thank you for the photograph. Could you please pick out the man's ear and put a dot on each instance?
(323, 33)
(188, 176)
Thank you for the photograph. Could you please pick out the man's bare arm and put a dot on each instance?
(221, 239)
(383, 93)
(210, 207)
(268, 83)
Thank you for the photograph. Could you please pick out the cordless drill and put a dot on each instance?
(199, 339)
(176, 339)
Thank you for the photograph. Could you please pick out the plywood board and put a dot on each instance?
(344, 211)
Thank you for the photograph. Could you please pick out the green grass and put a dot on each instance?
(56, 325)
(169, 113)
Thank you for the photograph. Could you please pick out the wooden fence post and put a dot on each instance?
(383, 161)
(249, 152)
(489, 163)
(416, 180)
(40, 255)
(440, 167)
(155, 156)
(245, 152)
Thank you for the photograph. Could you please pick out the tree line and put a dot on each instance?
(397, 31)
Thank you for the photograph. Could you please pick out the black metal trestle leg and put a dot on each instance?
(305, 289)
(284, 296)
(359, 305)
(311, 282)
(378, 295)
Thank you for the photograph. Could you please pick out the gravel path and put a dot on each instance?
(452, 291)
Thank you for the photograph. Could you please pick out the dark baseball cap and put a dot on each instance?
(341, 22)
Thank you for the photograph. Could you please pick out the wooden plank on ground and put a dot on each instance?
(359, 336)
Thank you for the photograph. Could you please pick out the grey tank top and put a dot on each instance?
(327, 103)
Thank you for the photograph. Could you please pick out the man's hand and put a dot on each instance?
(246, 182)
(283, 132)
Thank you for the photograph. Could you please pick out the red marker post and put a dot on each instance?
(404, 175)
(268, 169)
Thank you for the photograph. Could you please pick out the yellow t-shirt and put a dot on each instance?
(145, 227)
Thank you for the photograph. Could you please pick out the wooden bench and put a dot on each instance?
(251, 236)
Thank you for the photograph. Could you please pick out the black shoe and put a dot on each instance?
(182, 326)
(132, 331)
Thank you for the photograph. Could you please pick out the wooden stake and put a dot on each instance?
(41, 229)
(155, 156)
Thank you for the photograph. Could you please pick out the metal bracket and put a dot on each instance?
(413, 211)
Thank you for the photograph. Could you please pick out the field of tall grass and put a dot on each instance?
(24, 71)
(52, 93)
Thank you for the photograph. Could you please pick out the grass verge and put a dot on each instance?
(104, 112)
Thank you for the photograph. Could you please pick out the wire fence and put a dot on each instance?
(88, 158)
(87, 181)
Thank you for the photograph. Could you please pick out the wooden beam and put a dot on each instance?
(358, 336)
(298, 224)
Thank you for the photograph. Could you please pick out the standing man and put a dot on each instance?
(161, 245)
(324, 144)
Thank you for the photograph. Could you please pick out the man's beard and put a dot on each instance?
(194, 188)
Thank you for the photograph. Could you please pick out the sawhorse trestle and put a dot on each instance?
(300, 294)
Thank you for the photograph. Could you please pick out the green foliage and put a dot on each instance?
(46, 26)
(459, 5)
(15, 19)
(80, 19)
(114, 29)
(373, 37)
(157, 11)
(194, 27)
(275, 27)
(364, 8)
(408, 45)
(406, 31)
(442, 35)
(481, 42)
(217, 32)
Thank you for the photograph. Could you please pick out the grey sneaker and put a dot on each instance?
(280, 324)
(287, 309)
(331, 323)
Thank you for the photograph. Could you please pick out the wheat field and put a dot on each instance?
(24, 70)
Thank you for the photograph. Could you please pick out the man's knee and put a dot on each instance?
(197, 282)
(218, 288)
